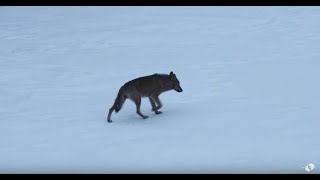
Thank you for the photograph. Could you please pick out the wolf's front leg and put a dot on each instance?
(137, 100)
(154, 108)
(157, 100)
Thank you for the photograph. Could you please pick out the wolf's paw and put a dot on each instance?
(145, 117)
(109, 121)
(158, 112)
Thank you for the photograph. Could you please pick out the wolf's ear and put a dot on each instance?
(172, 76)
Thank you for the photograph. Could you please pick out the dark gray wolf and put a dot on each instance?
(148, 86)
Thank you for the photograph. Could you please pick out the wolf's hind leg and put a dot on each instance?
(153, 104)
(110, 112)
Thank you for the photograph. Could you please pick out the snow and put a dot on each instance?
(250, 78)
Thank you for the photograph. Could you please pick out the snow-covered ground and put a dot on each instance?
(250, 77)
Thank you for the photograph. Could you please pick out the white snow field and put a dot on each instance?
(250, 77)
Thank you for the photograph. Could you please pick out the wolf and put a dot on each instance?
(148, 86)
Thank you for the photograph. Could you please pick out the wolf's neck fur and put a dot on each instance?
(167, 83)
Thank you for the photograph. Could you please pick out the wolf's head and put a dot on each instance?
(175, 82)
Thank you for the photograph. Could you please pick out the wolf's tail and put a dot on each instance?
(119, 100)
